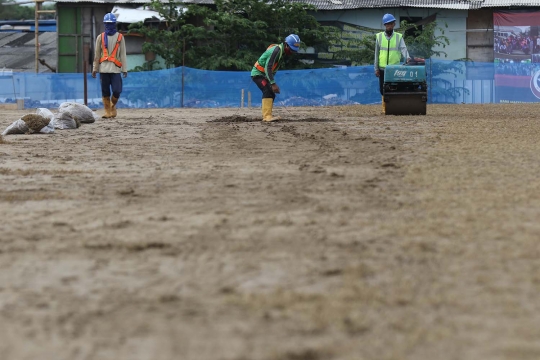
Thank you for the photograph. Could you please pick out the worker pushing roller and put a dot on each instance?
(402, 84)
(110, 61)
(266, 67)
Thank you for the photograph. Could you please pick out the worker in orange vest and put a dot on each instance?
(110, 61)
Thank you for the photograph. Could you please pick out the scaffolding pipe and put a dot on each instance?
(38, 11)
(36, 26)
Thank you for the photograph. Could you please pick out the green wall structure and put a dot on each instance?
(74, 38)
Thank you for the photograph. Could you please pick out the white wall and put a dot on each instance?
(455, 32)
(372, 18)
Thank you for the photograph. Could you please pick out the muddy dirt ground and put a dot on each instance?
(338, 233)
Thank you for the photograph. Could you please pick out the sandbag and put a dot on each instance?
(64, 120)
(16, 127)
(79, 112)
(40, 122)
(46, 113)
(35, 122)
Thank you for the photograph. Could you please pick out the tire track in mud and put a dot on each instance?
(328, 181)
(313, 147)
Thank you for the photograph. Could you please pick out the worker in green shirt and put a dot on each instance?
(266, 67)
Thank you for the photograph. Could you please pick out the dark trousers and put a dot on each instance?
(108, 81)
(264, 85)
(381, 80)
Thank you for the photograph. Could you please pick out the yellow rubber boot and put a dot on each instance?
(114, 101)
(107, 107)
(267, 105)
(383, 106)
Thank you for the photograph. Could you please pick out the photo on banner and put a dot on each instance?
(517, 55)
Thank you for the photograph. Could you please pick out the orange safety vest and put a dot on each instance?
(112, 57)
(276, 64)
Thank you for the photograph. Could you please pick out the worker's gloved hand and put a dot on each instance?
(275, 88)
(377, 73)
(125, 75)
(94, 74)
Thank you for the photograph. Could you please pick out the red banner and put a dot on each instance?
(512, 18)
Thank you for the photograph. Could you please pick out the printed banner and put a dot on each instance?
(517, 55)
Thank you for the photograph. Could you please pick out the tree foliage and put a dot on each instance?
(18, 12)
(425, 42)
(232, 34)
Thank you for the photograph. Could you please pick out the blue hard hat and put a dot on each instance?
(388, 18)
(109, 18)
(293, 41)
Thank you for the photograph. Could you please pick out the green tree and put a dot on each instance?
(230, 35)
(425, 42)
(9, 11)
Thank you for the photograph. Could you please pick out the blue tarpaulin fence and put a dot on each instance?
(448, 82)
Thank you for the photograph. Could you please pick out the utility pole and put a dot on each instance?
(38, 11)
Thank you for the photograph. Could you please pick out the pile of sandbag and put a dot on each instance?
(40, 122)
(70, 116)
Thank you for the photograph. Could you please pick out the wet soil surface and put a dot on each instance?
(337, 233)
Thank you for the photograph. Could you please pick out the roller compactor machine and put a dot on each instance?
(405, 88)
